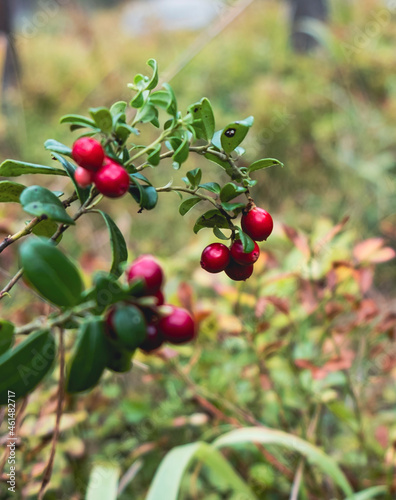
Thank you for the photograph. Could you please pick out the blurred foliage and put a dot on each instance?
(311, 332)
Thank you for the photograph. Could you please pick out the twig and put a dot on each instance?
(59, 409)
(11, 283)
(129, 475)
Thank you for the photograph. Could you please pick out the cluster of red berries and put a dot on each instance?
(110, 178)
(155, 323)
(238, 264)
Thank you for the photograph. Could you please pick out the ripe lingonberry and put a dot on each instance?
(215, 258)
(237, 272)
(88, 153)
(178, 326)
(112, 179)
(160, 298)
(257, 224)
(146, 268)
(240, 257)
(83, 177)
(154, 339)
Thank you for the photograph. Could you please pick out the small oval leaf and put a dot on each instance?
(39, 201)
(10, 191)
(187, 205)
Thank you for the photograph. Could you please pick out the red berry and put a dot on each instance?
(215, 258)
(160, 298)
(84, 178)
(177, 327)
(240, 257)
(147, 268)
(154, 339)
(237, 272)
(112, 179)
(257, 224)
(88, 153)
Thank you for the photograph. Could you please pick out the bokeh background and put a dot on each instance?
(328, 113)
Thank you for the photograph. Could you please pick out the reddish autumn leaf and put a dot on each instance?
(333, 309)
(185, 296)
(279, 303)
(365, 278)
(388, 325)
(298, 239)
(308, 296)
(373, 251)
(367, 311)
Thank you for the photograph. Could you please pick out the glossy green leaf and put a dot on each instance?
(172, 107)
(369, 493)
(188, 204)
(50, 272)
(203, 119)
(70, 169)
(154, 156)
(129, 326)
(81, 121)
(219, 234)
(23, 367)
(39, 201)
(267, 436)
(213, 187)
(146, 114)
(160, 98)
(10, 191)
(232, 207)
(118, 246)
(46, 228)
(140, 99)
(176, 463)
(6, 335)
(212, 218)
(194, 177)
(57, 147)
(247, 242)
(145, 196)
(264, 163)
(235, 133)
(14, 168)
(222, 163)
(90, 357)
(107, 290)
(118, 107)
(119, 360)
(103, 119)
(231, 191)
(103, 483)
(154, 79)
(123, 131)
(182, 152)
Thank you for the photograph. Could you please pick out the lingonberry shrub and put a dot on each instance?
(124, 309)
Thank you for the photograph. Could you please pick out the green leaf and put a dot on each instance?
(172, 107)
(103, 483)
(223, 164)
(146, 114)
(103, 119)
(194, 177)
(39, 201)
(119, 360)
(266, 436)
(123, 131)
(10, 191)
(57, 147)
(140, 99)
(219, 234)
(23, 367)
(231, 191)
(118, 245)
(107, 290)
(213, 187)
(160, 98)
(129, 326)
(203, 119)
(154, 79)
(14, 168)
(48, 270)
(118, 107)
(82, 193)
(369, 493)
(216, 139)
(154, 156)
(89, 359)
(6, 335)
(247, 242)
(182, 152)
(171, 471)
(145, 196)
(46, 228)
(80, 121)
(264, 163)
(188, 204)
(212, 218)
(235, 133)
(232, 207)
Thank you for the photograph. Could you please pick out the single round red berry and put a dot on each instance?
(240, 257)
(84, 178)
(215, 258)
(148, 269)
(178, 326)
(237, 272)
(88, 153)
(112, 179)
(257, 224)
(154, 339)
